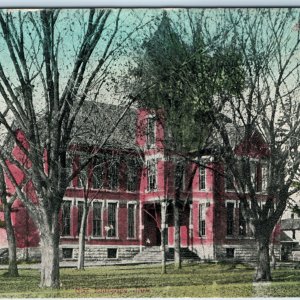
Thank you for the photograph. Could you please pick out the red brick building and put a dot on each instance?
(134, 175)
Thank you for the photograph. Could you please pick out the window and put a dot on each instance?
(150, 131)
(66, 218)
(230, 252)
(151, 170)
(264, 178)
(67, 252)
(97, 219)
(113, 173)
(69, 170)
(131, 220)
(98, 172)
(258, 178)
(242, 222)
(230, 218)
(132, 175)
(229, 180)
(180, 176)
(112, 253)
(293, 234)
(79, 215)
(112, 220)
(82, 177)
(202, 178)
(202, 217)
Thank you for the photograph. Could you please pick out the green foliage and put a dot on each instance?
(199, 280)
(182, 75)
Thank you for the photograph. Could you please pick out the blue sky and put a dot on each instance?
(146, 3)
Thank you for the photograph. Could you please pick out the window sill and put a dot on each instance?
(67, 237)
(245, 237)
(202, 236)
(230, 237)
(112, 238)
(97, 238)
(152, 191)
(132, 239)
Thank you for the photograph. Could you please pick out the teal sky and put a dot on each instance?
(70, 28)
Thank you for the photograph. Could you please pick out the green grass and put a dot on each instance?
(199, 280)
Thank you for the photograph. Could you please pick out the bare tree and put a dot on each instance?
(7, 206)
(264, 111)
(54, 61)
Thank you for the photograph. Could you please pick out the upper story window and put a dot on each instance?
(113, 173)
(264, 178)
(150, 133)
(132, 175)
(261, 179)
(180, 176)
(229, 180)
(82, 178)
(69, 170)
(98, 172)
(202, 178)
(151, 175)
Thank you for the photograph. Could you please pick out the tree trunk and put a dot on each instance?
(50, 256)
(11, 239)
(263, 270)
(177, 258)
(163, 238)
(81, 254)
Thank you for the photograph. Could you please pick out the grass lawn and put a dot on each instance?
(197, 280)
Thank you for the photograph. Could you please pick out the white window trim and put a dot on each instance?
(73, 202)
(102, 237)
(155, 161)
(135, 219)
(116, 237)
(231, 201)
(202, 205)
(235, 205)
(150, 146)
(205, 178)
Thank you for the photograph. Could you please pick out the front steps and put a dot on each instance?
(153, 255)
(149, 254)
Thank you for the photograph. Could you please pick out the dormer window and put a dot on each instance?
(98, 172)
(113, 173)
(69, 170)
(229, 180)
(180, 176)
(132, 175)
(150, 131)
